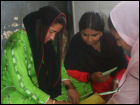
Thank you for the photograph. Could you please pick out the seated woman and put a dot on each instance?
(91, 52)
(32, 64)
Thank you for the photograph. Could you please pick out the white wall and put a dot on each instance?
(80, 7)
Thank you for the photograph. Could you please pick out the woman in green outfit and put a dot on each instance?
(32, 65)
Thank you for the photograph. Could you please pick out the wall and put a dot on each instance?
(13, 12)
(80, 7)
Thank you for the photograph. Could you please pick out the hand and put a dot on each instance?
(115, 83)
(50, 101)
(73, 96)
(62, 102)
(98, 77)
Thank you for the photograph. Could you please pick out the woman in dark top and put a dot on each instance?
(93, 51)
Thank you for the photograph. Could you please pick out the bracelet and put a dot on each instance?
(53, 102)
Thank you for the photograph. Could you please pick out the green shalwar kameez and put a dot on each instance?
(18, 77)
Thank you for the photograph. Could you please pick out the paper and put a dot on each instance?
(93, 99)
(109, 92)
(109, 71)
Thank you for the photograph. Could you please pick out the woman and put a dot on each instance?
(32, 63)
(126, 33)
(91, 52)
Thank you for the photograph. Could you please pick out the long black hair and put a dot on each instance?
(84, 58)
(92, 20)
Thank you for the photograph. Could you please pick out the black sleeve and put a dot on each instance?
(121, 61)
(116, 51)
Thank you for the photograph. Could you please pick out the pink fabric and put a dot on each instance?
(125, 18)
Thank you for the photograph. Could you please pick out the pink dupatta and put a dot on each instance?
(125, 18)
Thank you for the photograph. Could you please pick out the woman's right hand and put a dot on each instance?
(98, 77)
(50, 101)
(62, 102)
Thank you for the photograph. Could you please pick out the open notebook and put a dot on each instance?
(96, 97)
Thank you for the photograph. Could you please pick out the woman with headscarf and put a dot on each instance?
(32, 67)
(124, 24)
(91, 52)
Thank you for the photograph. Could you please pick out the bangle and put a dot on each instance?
(53, 102)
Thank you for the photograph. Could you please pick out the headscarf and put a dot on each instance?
(125, 18)
(47, 62)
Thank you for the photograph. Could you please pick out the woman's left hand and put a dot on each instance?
(73, 96)
(115, 83)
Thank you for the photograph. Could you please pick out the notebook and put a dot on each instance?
(109, 71)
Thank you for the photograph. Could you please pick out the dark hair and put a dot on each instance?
(111, 26)
(92, 20)
(42, 28)
(37, 23)
(60, 20)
